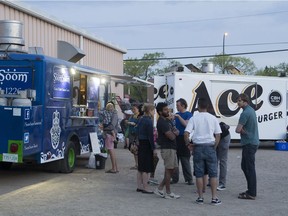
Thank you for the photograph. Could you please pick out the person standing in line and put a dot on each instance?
(152, 179)
(125, 128)
(248, 129)
(183, 153)
(132, 136)
(167, 141)
(146, 149)
(109, 133)
(206, 135)
(222, 155)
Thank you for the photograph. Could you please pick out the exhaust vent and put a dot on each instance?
(11, 39)
(68, 52)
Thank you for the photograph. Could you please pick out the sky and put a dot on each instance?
(180, 28)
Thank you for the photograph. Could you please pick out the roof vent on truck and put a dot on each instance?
(11, 39)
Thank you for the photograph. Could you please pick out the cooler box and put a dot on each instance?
(281, 146)
(100, 160)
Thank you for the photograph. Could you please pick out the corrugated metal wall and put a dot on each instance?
(41, 32)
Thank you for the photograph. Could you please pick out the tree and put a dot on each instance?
(274, 71)
(283, 67)
(166, 68)
(143, 70)
(268, 71)
(221, 63)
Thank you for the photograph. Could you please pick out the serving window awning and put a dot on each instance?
(126, 79)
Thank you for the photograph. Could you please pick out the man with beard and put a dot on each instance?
(248, 130)
(167, 134)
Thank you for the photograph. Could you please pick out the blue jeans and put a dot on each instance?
(248, 167)
(204, 157)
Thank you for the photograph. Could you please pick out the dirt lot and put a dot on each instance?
(31, 191)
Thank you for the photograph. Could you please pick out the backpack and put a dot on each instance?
(225, 129)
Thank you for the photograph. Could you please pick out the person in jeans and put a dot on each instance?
(206, 135)
(248, 129)
(222, 155)
(167, 141)
(183, 153)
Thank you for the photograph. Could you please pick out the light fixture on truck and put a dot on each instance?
(103, 80)
(72, 71)
(13, 147)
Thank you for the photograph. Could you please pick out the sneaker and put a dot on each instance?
(171, 196)
(159, 192)
(216, 201)
(221, 187)
(200, 201)
(153, 181)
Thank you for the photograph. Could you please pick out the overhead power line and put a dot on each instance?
(209, 46)
(209, 56)
(185, 21)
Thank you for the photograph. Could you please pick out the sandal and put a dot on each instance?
(111, 171)
(246, 196)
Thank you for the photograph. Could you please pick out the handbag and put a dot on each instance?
(134, 147)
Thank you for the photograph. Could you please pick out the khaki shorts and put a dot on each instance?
(170, 158)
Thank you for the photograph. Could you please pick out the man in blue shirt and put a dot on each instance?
(183, 153)
(248, 130)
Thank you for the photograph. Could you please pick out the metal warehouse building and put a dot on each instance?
(41, 31)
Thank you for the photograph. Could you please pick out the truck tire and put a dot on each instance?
(67, 165)
(5, 165)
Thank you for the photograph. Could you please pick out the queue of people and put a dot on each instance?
(182, 135)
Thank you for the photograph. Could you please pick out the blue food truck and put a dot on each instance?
(48, 108)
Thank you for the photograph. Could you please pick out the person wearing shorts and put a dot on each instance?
(206, 136)
(167, 141)
(110, 137)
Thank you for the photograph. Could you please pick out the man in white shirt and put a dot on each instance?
(205, 138)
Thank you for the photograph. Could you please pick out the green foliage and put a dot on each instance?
(273, 71)
(243, 64)
(145, 70)
(142, 69)
(268, 71)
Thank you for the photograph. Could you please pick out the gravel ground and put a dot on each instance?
(26, 190)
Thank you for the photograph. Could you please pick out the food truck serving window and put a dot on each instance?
(83, 90)
(79, 89)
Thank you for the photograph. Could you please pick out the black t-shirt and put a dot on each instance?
(164, 125)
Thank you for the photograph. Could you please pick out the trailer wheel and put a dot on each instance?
(5, 165)
(69, 161)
